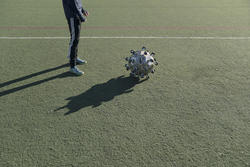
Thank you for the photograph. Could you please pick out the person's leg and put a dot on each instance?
(78, 60)
(75, 28)
(78, 23)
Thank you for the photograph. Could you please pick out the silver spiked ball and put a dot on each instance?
(141, 63)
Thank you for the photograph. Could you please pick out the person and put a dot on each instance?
(75, 15)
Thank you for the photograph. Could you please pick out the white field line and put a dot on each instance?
(134, 37)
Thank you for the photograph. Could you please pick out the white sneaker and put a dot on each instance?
(76, 71)
(80, 61)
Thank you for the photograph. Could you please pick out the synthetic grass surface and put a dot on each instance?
(194, 111)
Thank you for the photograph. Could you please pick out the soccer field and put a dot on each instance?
(194, 111)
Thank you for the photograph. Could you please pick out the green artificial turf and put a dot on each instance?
(194, 111)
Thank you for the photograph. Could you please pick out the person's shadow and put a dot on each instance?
(100, 93)
(16, 89)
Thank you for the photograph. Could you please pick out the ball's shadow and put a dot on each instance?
(100, 93)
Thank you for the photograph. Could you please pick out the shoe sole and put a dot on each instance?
(77, 74)
(81, 63)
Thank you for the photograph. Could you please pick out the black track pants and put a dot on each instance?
(75, 29)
